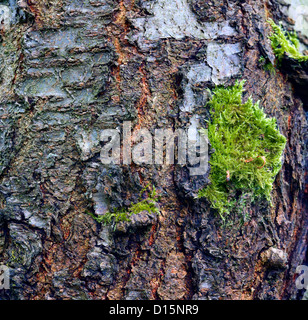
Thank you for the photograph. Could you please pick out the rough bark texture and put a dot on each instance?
(72, 68)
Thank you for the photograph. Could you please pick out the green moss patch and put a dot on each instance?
(148, 204)
(285, 43)
(247, 150)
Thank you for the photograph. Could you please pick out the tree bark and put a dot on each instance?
(72, 68)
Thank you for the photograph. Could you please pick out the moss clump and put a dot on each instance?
(123, 214)
(285, 42)
(248, 149)
(267, 65)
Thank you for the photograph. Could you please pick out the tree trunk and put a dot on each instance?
(70, 69)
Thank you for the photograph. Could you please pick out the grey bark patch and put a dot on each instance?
(100, 266)
(39, 222)
(65, 287)
(297, 10)
(10, 112)
(198, 73)
(100, 204)
(6, 143)
(88, 143)
(189, 99)
(275, 258)
(5, 17)
(44, 87)
(105, 238)
(224, 59)
(25, 245)
(174, 19)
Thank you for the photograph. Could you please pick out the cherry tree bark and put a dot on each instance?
(70, 69)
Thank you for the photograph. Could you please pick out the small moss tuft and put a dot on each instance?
(285, 42)
(123, 214)
(267, 65)
(248, 149)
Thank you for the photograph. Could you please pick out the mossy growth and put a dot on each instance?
(247, 150)
(284, 42)
(148, 204)
(267, 65)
